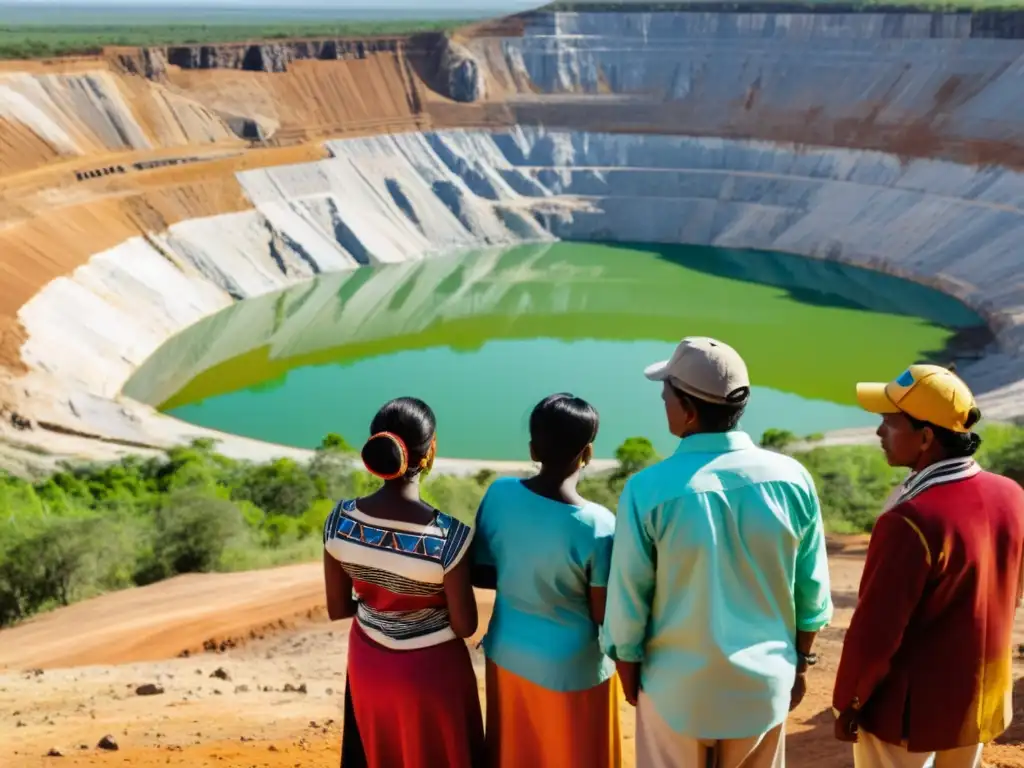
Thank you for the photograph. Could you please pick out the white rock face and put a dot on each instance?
(932, 70)
(75, 113)
(396, 199)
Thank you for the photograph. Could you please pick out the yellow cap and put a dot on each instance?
(926, 392)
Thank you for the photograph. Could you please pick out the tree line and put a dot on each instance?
(91, 528)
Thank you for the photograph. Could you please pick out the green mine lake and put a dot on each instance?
(483, 336)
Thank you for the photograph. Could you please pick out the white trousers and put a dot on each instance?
(658, 746)
(871, 752)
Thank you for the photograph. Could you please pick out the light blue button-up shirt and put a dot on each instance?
(719, 559)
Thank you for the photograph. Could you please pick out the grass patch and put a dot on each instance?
(34, 41)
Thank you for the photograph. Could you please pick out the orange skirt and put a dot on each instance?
(528, 725)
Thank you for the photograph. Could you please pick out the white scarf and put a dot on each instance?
(939, 473)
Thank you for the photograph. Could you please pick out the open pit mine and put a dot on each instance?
(143, 190)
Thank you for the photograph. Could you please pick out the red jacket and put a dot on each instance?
(928, 656)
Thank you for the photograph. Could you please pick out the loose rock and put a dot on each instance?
(221, 674)
(149, 689)
(54, 752)
(108, 743)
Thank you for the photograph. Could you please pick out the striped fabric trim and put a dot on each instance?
(404, 625)
(391, 581)
(331, 525)
(458, 537)
(417, 643)
(939, 473)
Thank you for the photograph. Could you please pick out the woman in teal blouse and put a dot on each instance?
(552, 695)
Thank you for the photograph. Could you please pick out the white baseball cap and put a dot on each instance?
(707, 369)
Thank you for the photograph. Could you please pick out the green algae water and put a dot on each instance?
(484, 336)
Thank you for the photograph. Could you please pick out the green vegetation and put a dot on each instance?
(34, 41)
(98, 527)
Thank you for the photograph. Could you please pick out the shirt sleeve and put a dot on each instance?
(631, 584)
(601, 559)
(812, 588)
(331, 526)
(481, 553)
(895, 572)
(458, 541)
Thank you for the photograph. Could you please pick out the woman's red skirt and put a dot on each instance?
(415, 709)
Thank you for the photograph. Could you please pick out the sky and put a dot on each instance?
(327, 4)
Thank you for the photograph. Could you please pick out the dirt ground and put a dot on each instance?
(268, 691)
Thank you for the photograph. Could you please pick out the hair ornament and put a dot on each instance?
(403, 452)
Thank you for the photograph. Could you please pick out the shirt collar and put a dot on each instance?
(715, 442)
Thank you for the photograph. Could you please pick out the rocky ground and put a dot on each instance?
(268, 691)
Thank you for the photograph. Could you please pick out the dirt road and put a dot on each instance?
(272, 697)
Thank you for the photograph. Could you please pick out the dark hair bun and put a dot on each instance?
(405, 425)
(973, 417)
(384, 457)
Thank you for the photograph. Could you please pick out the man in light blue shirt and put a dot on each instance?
(719, 578)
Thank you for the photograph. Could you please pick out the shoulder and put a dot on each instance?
(457, 538)
(1010, 489)
(897, 526)
(502, 485)
(780, 467)
(497, 492)
(599, 519)
(333, 524)
(656, 476)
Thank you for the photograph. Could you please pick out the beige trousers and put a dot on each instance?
(658, 746)
(871, 752)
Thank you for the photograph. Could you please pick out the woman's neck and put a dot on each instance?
(406, 488)
(556, 485)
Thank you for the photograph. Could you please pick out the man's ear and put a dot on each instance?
(927, 438)
(533, 453)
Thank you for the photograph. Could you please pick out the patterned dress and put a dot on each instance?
(412, 686)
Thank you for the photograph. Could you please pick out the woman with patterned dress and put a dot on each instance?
(398, 566)
(552, 695)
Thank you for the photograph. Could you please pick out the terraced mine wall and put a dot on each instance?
(887, 140)
(921, 84)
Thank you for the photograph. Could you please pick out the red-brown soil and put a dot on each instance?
(259, 717)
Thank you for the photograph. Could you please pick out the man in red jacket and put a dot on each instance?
(926, 667)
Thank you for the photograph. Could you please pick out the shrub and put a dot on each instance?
(777, 439)
(282, 487)
(189, 535)
(40, 563)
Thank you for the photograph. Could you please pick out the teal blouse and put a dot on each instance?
(546, 554)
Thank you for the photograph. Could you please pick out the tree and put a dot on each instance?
(40, 564)
(283, 487)
(334, 442)
(190, 532)
(1007, 459)
(635, 454)
(777, 439)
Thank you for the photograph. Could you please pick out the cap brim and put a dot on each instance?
(658, 371)
(872, 398)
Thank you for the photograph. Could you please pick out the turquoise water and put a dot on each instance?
(482, 337)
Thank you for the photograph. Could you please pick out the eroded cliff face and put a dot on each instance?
(459, 73)
(152, 62)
